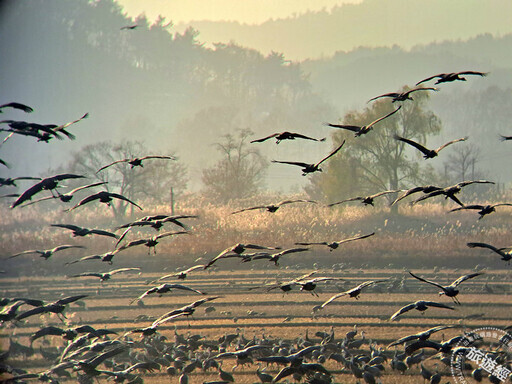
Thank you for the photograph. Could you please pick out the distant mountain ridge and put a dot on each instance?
(371, 23)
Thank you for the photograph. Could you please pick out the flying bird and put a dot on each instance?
(182, 275)
(14, 105)
(423, 335)
(448, 77)
(106, 275)
(56, 307)
(366, 200)
(451, 191)
(62, 128)
(425, 189)
(129, 27)
(285, 286)
(505, 253)
(105, 257)
(274, 257)
(49, 184)
(274, 207)
(482, 209)
(449, 290)
(81, 231)
(354, 292)
(164, 288)
(236, 249)
(335, 244)
(427, 153)
(64, 197)
(420, 305)
(136, 161)
(361, 130)
(402, 96)
(310, 168)
(11, 181)
(151, 242)
(47, 253)
(286, 136)
(104, 197)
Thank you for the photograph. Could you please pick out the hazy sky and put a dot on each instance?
(244, 11)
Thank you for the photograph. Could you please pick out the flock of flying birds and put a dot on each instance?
(86, 363)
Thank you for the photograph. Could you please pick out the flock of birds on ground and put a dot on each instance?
(127, 358)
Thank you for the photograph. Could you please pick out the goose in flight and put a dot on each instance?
(135, 161)
(402, 96)
(361, 130)
(448, 77)
(56, 307)
(427, 153)
(274, 257)
(354, 292)
(70, 333)
(286, 136)
(182, 275)
(164, 288)
(310, 284)
(420, 305)
(158, 221)
(237, 249)
(274, 207)
(505, 252)
(285, 286)
(105, 257)
(310, 168)
(366, 200)
(151, 242)
(11, 181)
(81, 231)
(106, 275)
(47, 253)
(64, 197)
(451, 191)
(129, 27)
(49, 184)
(104, 197)
(14, 105)
(425, 189)
(424, 335)
(189, 309)
(482, 209)
(449, 290)
(335, 244)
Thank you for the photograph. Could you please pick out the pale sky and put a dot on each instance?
(244, 11)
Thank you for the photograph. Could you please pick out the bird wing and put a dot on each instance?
(483, 74)
(121, 197)
(265, 138)
(300, 136)
(402, 310)
(464, 183)
(384, 193)
(158, 157)
(86, 200)
(62, 247)
(426, 281)
(26, 253)
(249, 209)
(184, 288)
(295, 201)
(416, 145)
(101, 232)
(413, 347)
(62, 127)
(86, 274)
(31, 312)
(20, 106)
(430, 78)
(484, 245)
(333, 298)
(410, 192)
(502, 204)
(27, 195)
(291, 250)
(111, 164)
(346, 200)
(428, 196)
(421, 89)
(474, 206)
(353, 128)
(383, 117)
(171, 234)
(133, 244)
(437, 305)
(451, 142)
(314, 243)
(355, 238)
(120, 270)
(90, 257)
(66, 176)
(466, 277)
(391, 94)
(67, 226)
(73, 191)
(330, 154)
(51, 330)
(298, 163)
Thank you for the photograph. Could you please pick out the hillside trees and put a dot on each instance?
(376, 161)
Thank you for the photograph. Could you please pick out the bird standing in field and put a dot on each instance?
(354, 292)
(136, 161)
(402, 96)
(361, 130)
(310, 168)
(47, 253)
(49, 184)
(428, 153)
(335, 244)
(482, 209)
(286, 136)
(274, 207)
(106, 275)
(449, 290)
(104, 197)
(420, 305)
(505, 252)
(448, 77)
(366, 200)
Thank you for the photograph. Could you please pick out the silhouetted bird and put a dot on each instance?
(402, 96)
(335, 244)
(505, 256)
(106, 275)
(310, 168)
(164, 288)
(428, 153)
(81, 231)
(136, 161)
(274, 207)
(425, 189)
(447, 77)
(286, 136)
(104, 197)
(152, 241)
(106, 257)
(56, 307)
(180, 275)
(354, 292)
(129, 27)
(49, 184)
(48, 252)
(420, 305)
(424, 335)
(482, 209)
(237, 249)
(11, 181)
(451, 191)
(64, 197)
(361, 130)
(366, 200)
(274, 257)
